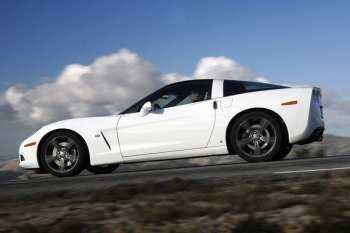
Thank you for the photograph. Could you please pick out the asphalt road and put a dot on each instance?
(295, 167)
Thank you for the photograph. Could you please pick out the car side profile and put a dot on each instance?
(258, 121)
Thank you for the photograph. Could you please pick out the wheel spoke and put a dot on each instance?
(62, 165)
(70, 143)
(55, 144)
(49, 158)
(72, 158)
(243, 142)
(264, 124)
(245, 125)
(257, 148)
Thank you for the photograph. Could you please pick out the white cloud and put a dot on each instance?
(224, 68)
(6, 112)
(173, 77)
(106, 86)
(262, 80)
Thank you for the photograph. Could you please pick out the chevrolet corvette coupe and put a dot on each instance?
(258, 121)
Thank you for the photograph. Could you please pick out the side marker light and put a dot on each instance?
(30, 144)
(294, 102)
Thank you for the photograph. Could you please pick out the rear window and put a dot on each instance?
(239, 87)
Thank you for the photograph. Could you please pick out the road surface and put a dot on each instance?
(291, 167)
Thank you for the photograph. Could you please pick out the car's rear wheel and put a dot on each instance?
(256, 137)
(63, 154)
(283, 153)
(102, 169)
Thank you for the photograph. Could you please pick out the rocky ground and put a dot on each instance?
(316, 203)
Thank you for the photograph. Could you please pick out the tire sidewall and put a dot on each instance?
(102, 169)
(283, 153)
(279, 137)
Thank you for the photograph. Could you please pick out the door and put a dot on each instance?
(182, 118)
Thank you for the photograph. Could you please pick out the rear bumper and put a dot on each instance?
(310, 122)
(316, 136)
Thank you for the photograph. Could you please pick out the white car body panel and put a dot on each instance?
(166, 130)
(189, 130)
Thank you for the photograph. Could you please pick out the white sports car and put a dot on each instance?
(257, 121)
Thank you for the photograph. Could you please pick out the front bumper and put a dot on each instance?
(28, 155)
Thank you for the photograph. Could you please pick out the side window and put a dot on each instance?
(164, 100)
(255, 86)
(233, 88)
(239, 87)
(175, 95)
(183, 93)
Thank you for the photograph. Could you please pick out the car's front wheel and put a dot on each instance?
(63, 154)
(102, 169)
(256, 137)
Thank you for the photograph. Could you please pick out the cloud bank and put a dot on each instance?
(106, 86)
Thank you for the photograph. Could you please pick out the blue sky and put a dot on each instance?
(301, 42)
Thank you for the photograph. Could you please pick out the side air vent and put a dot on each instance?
(104, 138)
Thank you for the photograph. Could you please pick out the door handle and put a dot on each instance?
(215, 104)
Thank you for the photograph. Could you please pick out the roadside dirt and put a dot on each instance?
(317, 203)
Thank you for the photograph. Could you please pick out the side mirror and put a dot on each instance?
(146, 108)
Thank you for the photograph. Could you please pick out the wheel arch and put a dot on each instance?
(42, 140)
(265, 110)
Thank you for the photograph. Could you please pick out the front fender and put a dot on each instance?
(99, 133)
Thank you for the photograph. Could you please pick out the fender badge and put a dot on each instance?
(97, 135)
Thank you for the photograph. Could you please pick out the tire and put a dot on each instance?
(63, 154)
(284, 152)
(103, 169)
(257, 137)
(39, 171)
